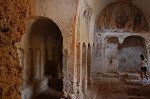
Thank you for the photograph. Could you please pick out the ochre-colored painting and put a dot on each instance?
(122, 17)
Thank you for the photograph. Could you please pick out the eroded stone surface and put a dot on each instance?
(93, 55)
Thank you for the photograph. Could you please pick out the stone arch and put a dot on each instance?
(129, 52)
(111, 52)
(43, 45)
(89, 60)
(45, 32)
(84, 69)
(113, 40)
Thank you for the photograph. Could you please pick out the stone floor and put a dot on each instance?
(123, 86)
(110, 86)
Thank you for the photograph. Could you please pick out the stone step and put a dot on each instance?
(101, 79)
(107, 75)
(131, 76)
(133, 82)
(134, 76)
(136, 97)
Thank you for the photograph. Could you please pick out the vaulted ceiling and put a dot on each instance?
(143, 5)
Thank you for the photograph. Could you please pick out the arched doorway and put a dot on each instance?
(42, 49)
(129, 54)
(84, 69)
(89, 59)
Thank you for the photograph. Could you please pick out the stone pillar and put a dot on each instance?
(78, 62)
(98, 55)
(31, 64)
(36, 64)
(42, 63)
(111, 53)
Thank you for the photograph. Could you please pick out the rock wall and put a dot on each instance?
(12, 25)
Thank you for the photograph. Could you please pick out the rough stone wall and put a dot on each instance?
(111, 55)
(13, 16)
(97, 55)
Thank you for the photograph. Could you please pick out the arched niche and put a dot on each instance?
(84, 69)
(129, 54)
(42, 45)
(111, 54)
(89, 60)
(112, 40)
